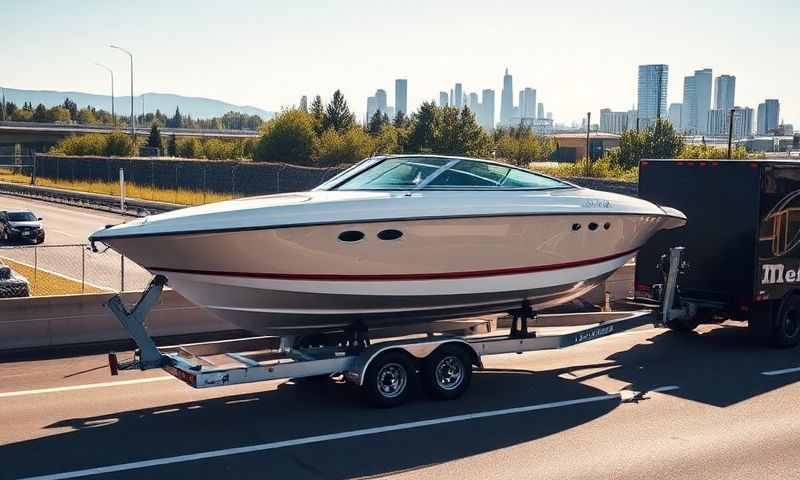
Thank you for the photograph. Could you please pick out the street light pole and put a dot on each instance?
(133, 119)
(113, 115)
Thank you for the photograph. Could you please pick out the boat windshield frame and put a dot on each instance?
(372, 162)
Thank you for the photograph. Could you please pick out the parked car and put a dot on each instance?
(21, 225)
(12, 284)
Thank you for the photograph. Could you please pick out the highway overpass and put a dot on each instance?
(38, 137)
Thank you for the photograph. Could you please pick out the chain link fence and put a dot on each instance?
(181, 181)
(67, 270)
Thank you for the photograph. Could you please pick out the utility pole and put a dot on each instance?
(588, 152)
(133, 119)
(113, 114)
(3, 113)
(730, 133)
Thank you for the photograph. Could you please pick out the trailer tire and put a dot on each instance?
(447, 372)
(390, 379)
(786, 325)
(684, 324)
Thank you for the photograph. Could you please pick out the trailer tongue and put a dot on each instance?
(384, 368)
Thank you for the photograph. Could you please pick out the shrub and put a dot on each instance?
(116, 144)
(289, 137)
(708, 152)
(190, 148)
(343, 148)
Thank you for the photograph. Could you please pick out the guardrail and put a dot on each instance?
(134, 207)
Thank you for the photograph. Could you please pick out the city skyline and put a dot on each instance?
(272, 55)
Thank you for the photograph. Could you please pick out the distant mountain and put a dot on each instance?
(197, 107)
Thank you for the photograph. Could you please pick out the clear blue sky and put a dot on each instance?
(579, 55)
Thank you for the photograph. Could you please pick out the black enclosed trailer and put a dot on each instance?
(742, 241)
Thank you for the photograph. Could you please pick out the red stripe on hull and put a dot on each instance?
(401, 276)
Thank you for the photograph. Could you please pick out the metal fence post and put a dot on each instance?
(122, 273)
(83, 268)
(35, 265)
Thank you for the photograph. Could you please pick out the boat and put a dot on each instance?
(393, 240)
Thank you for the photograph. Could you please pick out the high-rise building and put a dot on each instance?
(742, 122)
(473, 103)
(443, 99)
(633, 119)
(696, 101)
(527, 103)
(401, 95)
(380, 100)
(304, 103)
(520, 104)
(372, 107)
(724, 92)
(540, 110)
(768, 115)
(652, 93)
(675, 111)
(549, 115)
(507, 99)
(452, 99)
(613, 122)
(487, 109)
(458, 100)
(719, 122)
(689, 109)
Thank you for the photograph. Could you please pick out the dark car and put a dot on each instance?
(12, 284)
(21, 225)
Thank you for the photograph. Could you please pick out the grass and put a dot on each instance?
(132, 190)
(42, 283)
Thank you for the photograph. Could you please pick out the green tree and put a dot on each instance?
(172, 146)
(457, 133)
(11, 110)
(377, 122)
(40, 114)
(422, 124)
(119, 144)
(177, 120)
(659, 141)
(190, 148)
(72, 108)
(289, 137)
(337, 114)
(58, 114)
(86, 116)
(343, 148)
(154, 139)
(389, 140)
(400, 120)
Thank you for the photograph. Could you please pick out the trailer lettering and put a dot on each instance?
(791, 276)
(772, 274)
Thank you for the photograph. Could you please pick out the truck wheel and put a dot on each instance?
(786, 326)
(389, 379)
(446, 373)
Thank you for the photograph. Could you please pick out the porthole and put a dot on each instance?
(576, 227)
(592, 226)
(351, 236)
(606, 225)
(390, 234)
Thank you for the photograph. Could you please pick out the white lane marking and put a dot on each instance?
(771, 373)
(87, 386)
(331, 436)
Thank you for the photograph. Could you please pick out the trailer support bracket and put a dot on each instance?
(134, 322)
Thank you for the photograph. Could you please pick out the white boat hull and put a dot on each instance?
(281, 281)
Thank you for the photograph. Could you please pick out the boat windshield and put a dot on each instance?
(442, 173)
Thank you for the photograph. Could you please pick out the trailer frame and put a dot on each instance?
(255, 359)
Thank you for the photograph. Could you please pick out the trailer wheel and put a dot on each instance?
(684, 324)
(786, 326)
(390, 379)
(446, 373)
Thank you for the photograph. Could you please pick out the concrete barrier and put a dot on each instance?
(80, 319)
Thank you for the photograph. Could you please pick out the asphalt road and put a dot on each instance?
(725, 408)
(65, 225)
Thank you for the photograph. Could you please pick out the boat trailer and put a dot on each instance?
(384, 368)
